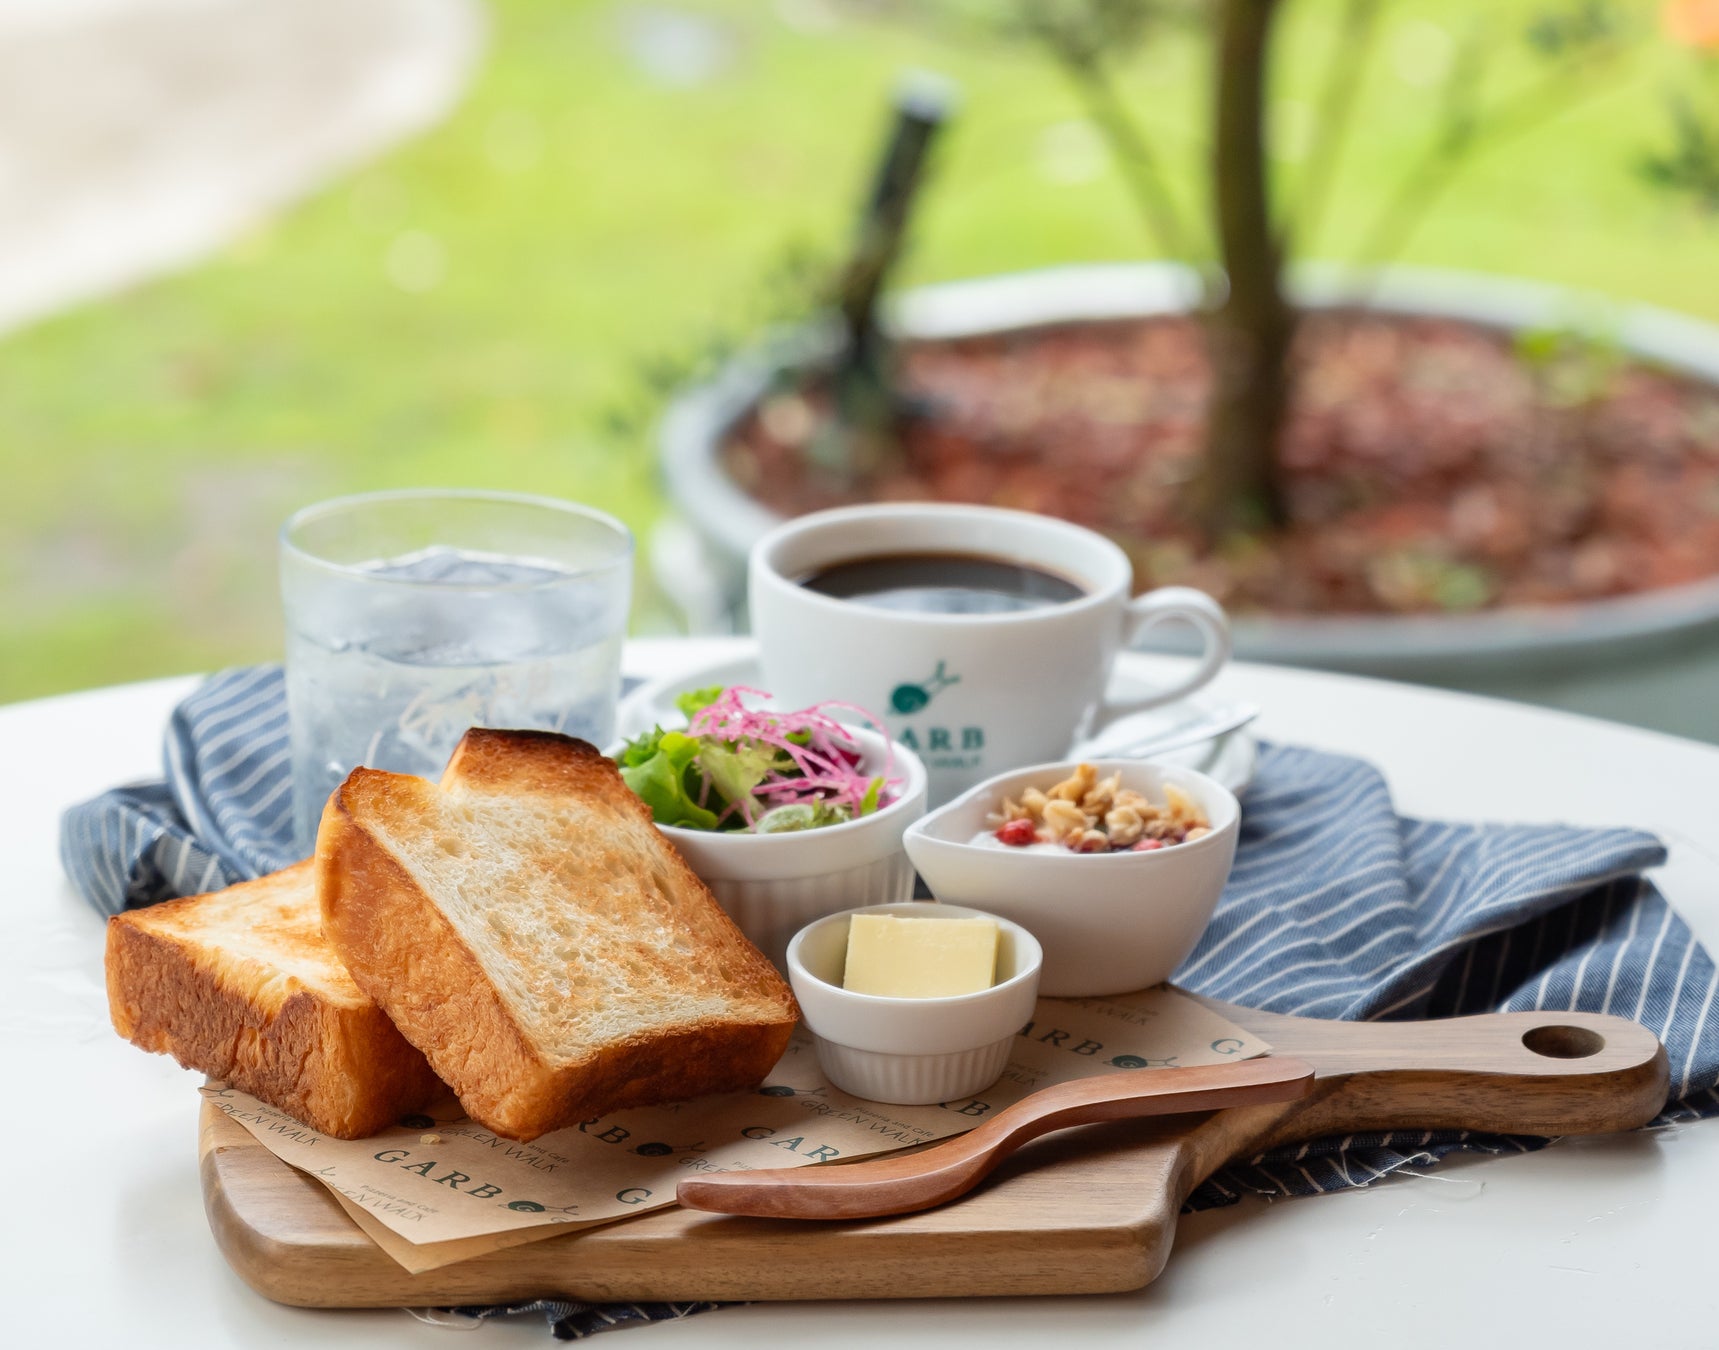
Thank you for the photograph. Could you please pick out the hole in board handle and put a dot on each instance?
(1563, 1042)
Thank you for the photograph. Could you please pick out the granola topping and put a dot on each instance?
(1088, 814)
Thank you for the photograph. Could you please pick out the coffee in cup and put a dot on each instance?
(983, 637)
(942, 583)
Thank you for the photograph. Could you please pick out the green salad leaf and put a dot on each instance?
(695, 701)
(736, 768)
(656, 767)
(638, 751)
(801, 816)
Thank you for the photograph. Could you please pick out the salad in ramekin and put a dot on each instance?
(736, 769)
(787, 815)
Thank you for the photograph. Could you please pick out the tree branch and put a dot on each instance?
(1336, 111)
(1133, 155)
(1463, 134)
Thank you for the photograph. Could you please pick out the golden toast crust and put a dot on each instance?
(404, 951)
(424, 976)
(309, 1043)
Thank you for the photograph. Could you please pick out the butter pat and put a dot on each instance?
(920, 958)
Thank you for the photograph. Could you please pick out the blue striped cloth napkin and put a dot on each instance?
(1338, 907)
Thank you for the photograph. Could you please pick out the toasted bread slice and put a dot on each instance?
(531, 931)
(240, 984)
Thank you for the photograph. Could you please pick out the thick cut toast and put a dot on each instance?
(240, 984)
(530, 930)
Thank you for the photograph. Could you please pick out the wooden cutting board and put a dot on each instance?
(1088, 1210)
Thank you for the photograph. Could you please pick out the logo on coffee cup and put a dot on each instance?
(933, 741)
(942, 747)
(910, 698)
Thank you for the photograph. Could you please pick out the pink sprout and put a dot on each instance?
(826, 765)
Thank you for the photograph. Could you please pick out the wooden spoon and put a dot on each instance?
(901, 1185)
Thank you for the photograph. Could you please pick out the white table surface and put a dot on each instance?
(1595, 1242)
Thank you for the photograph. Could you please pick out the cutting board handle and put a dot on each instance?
(1543, 1073)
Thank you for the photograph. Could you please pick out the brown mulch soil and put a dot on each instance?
(1431, 465)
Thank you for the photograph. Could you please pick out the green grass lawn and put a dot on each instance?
(577, 219)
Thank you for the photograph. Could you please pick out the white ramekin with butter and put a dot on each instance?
(904, 1049)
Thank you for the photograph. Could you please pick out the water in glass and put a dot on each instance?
(390, 674)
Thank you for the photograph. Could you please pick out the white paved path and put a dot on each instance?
(138, 135)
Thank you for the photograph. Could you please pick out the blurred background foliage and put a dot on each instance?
(626, 191)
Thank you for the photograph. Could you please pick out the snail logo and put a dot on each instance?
(907, 699)
(658, 1149)
(783, 1090)
(1129, 1062)
(526, 1206)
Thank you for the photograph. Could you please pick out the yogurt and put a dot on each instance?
(988, 839)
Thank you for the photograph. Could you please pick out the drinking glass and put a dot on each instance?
(412, 616)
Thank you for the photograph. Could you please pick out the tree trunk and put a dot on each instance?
(1249, 333)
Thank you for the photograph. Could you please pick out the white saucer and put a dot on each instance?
(1229, 759)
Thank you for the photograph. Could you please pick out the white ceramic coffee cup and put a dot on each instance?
(971, 694)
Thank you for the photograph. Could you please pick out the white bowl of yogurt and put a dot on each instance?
(1109, 922)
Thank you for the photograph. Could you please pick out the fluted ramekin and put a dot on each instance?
(773, 885)
(912, 1051)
